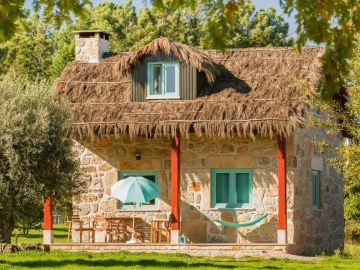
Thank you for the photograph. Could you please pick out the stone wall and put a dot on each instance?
(102, 159)
(311, 231)
(315, 231)
(90, 49)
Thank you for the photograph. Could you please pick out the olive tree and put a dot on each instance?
(36, 156)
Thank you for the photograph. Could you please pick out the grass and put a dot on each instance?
(127, 260)
(36, 236)
(349, 259)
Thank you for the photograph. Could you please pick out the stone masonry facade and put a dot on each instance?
(103, 158)
(90, 49)
(314, 230)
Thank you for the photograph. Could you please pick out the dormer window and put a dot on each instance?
(163, 80)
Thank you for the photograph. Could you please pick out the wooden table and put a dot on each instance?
(119, 229)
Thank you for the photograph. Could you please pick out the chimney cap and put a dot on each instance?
(91, 31)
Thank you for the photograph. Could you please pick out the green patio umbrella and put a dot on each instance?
(135, 189)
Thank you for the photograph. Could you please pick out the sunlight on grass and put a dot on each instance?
(347, 259)
(127, 260)
(36, 236)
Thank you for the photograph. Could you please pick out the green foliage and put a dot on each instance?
(56, 12)
(64, 49)
(260, 29)
(346, 157)
(29, 215)
(153, 23)
(35, 152)
(352, 231)
(334, 24)
(327, 22)
(119, 20)
(40, 51)
(29, 52)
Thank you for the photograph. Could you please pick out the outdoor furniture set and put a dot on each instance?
(117, 229)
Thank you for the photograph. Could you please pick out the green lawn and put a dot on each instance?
(36, 236)
(126, 260)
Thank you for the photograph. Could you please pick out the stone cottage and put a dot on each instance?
(222, 133)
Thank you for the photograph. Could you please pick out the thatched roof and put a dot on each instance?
(185, 53)
(258, 95)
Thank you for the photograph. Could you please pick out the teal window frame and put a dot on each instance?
(315, 190)
(163, 71)
(316, 107)
(231, 194)
(144, 206)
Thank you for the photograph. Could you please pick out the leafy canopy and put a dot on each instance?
(56, 12)
(131, 30)
(29, 51)
(326, 22)
(36, 156)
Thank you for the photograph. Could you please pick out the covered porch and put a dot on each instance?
(175, 194)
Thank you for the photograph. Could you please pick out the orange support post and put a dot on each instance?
(282, 181)
(48, 236)
(48, 223)
(175, 183)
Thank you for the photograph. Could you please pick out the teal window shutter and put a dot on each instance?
(316, 190)
(316, 107)
(222, 188)
(242, 187)
(231, 188)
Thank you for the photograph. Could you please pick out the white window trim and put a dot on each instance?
(176, 94)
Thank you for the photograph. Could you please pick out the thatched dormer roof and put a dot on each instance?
(185, 53)
(254, 93)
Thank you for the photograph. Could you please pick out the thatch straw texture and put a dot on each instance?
(185, 53)
(258, 96)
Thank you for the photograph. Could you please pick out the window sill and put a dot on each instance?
(137, 210)
(318, 210)
(235, 209)
(161, 97)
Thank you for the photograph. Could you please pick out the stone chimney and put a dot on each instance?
(90, 45)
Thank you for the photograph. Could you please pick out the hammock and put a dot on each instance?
(235, 225)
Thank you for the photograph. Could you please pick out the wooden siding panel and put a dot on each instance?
(188, 82)
(194, 84)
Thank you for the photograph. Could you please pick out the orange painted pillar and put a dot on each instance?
(282, 226)
(175, 189)
(48, 222)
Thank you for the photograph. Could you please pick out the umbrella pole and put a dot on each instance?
(133, 230)
(133, 240)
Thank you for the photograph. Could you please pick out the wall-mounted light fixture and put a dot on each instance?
(137, 154)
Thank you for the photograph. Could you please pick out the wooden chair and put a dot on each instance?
(158, 229)
(99, 225)
(75, 223)
(116, 230)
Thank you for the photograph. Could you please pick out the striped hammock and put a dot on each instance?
(236, 225)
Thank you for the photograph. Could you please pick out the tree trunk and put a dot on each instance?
(6, 228)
